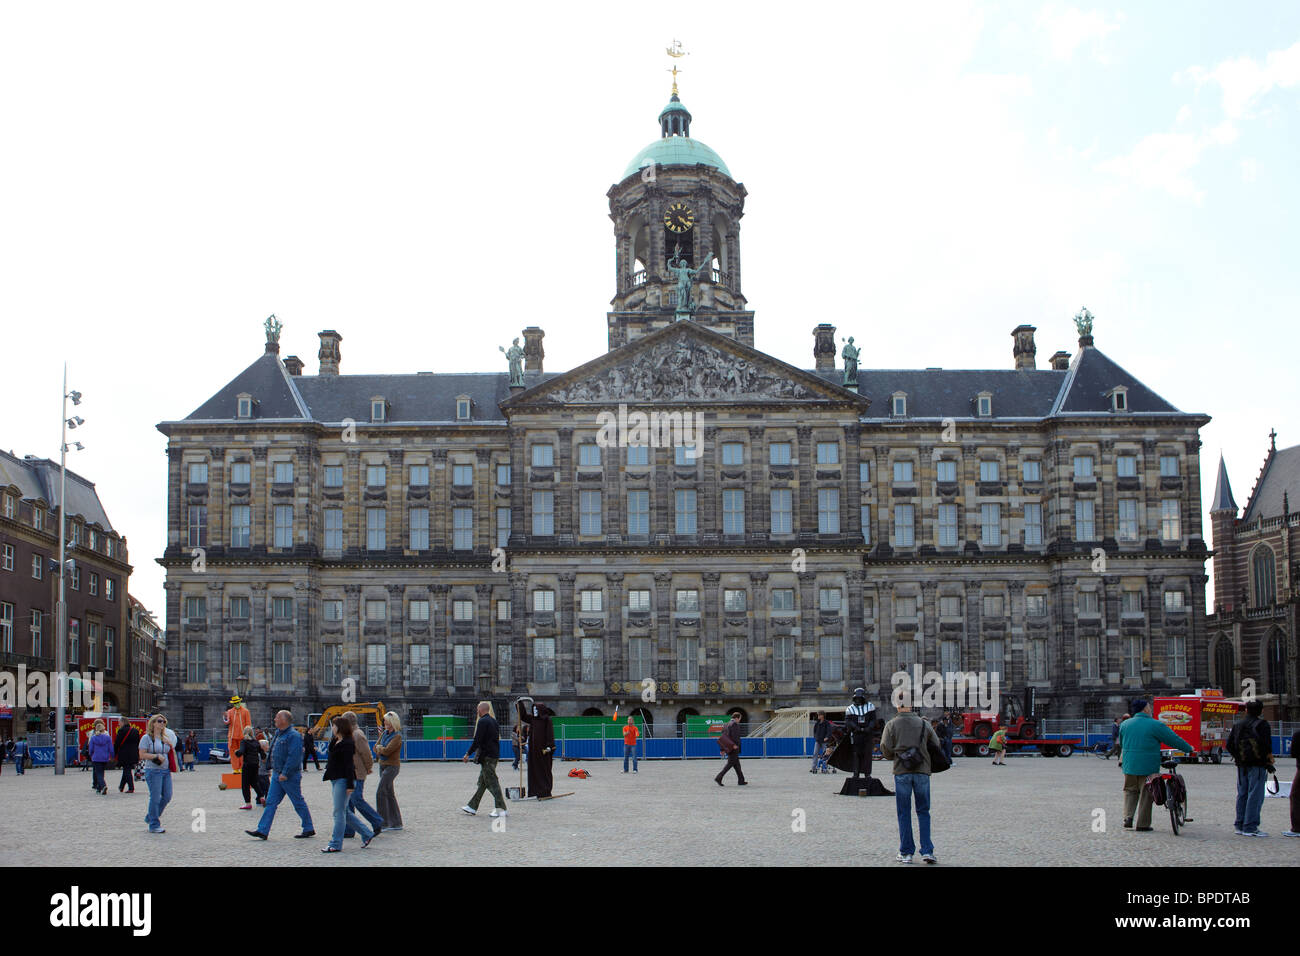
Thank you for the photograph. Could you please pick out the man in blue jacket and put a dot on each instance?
(1140, 739)
(286, 778)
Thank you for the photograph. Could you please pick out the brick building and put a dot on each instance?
(148, 651)
(1040, 524)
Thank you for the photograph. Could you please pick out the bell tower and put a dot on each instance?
(676, 214)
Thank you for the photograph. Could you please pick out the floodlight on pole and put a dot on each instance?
(61, 614)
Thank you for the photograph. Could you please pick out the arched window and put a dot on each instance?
(1275, 663)
(1223, 666)
(1263, 576)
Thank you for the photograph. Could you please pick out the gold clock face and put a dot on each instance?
(679, 217)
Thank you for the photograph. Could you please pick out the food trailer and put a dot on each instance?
(1203, 719)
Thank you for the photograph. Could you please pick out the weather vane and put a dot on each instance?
(676, 52)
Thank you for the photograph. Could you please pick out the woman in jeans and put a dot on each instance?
(341, 774)
(101, 752)
(156, 749)
(389, 749)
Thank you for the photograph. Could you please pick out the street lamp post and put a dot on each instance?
(61, 611)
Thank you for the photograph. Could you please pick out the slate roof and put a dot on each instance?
(411, 398)
(1223, 500)
(950, 393)
(1092, 375)
(268, 382)
(39, 478)
(1281, 476)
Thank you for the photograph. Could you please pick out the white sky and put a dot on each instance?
(430, 179)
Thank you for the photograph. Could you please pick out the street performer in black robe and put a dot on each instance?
(852, 753)
(535, 720)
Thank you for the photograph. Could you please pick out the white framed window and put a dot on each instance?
(418, 672)
(783, 599)
(8, 559)
(734, 663)
(543, 600)
(783, 658)
(1168, 466)
(378, 409)
(947, 537)
(462, 409)
(543, 512)
(1031, 469)
(828, 453)
(899, 405)
(463, 667)
(503, 527)
(1132, 657)
(904, 526)
(778, 453)
(333, 476)
(196, 610)
(376, 664)
(110, 588)
(733, 599)
(1033, 523)
(282, 608)
(376, 610)
(37, 518)
(419, 476)
(6, 627)
(503, 475)
(75, 579)
(1126, 466)
(828, 511)
(685, 455)
(1089, 604)
(995, 657)
(504, 609)
(376, 476)
(544, 660)
(733, 453)
(638, 599)
(1085, 527)
(832, 658)
(592, 601)
(592, 666)
(241, 526)
(196, 666)
(331, 610)
(949, 657)
(782, 515)
(688, 600)
(419, 534)
(244, 407)
(638, 658)
(994, 606)
(333, 524)
(589, 454)
(589, 512)
(462, 476)
(733, 511)
(864, 472)
(1177, 655)
(1035, 605)
(281, 662)
(1083, 468)
(94, 583)
(990, 471)
(991, 525)
(684, 499)
(11, 507)
(688, 658)
(74, 641)
(1170, 519)
(543, 455)
(902, 472)
(638, 455)
(376, 529)
(984, 406)
(1175, 601)
(1130, 602)
(241, 473)
(197, 526)
(828, 599)
(1036, 659)
(1119, 399)
(283, 526)
(462, 610)
(945, 470)
(417, 610)
(865, 522)
(462, 532)
(1128, 519)
(638, 512)
(198, 473)
(283, 472)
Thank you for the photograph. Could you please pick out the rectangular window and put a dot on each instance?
(333, 476)
(331, 670)
(462, 476)
(283, 472)
(906, 651)
(503, 527)
(543, 600)
(503, 475)
(589, 512)
(10, 507)
(462, 610)
(333, 518)
(504, 609)
(828, 511)
(463, 674)
(376, 529)
(945, 470)
(418, 672)
(638, 600)
(110, 589)
(638, 455)
(196, 665)
(505, 662)
(1130, 602)
(900, 405)
(902, 472)
(75, 581)
(949, 605)
(196, 609)
(74, 641)
(864, 519)
(1177, 656)
(947, 526)
(35, 627)
(419, 476)
(282, 608)
(1132, 657)
(904, 526)
(733, 453)
(281, 663)
(1036, 664)
(1033, 523)
(733, 599)
(543, 456)
(688, 658)
(1128, 519)
(990, 525)
(1126, 466)
(685, 510)
(989, 471)
(864, 472)
(543, 512)
(592, 601)
(1089, 604)
(994, 606)
(419, 536)
(92, 645)
(994, 651)
(1031, 469)
(949, 657)
(638, 512)
(828, 453)
(1035, 605)
(783, 599)
(417, 610)
(38, 567)
(1168, 466)
(1083, 468)
(828, 599)
(332, 610)
(462, 409)
(638, 658)
(1085, 528)
(376, 610)
(1170, 520)
(8, 564)
(1090, 668)
(376, 664)
(462, 531)
(589, 454)
(198, 473)
(733, 511)
(283, 526)
(593, 670)
(832, 658)
(544, 660)
(376, 476)
(783, 658)
(685, 455)
(778, 453)
(782, 515)
(94, 583)
(241, 526)
(688, 600)
(1174, 601)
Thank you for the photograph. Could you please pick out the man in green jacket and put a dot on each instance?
(1140, 738)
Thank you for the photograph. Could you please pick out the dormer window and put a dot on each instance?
(1118, 398)
(984, 404)
(378, 409)
(899, 405)
(244, 406)
(462, 408)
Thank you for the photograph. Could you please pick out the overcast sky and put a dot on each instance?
(429, 179)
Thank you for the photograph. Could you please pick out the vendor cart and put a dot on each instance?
(1203, 719)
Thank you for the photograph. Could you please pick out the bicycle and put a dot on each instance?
(1175, 788)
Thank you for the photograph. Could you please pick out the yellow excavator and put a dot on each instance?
(320, 723)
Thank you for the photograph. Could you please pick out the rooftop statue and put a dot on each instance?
(1083, 322)
(685, 278)
(515, 355)
(273, 327)
(850, 356)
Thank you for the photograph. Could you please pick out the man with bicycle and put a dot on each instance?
(1140, 740)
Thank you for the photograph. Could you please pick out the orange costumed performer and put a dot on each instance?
(236, 719)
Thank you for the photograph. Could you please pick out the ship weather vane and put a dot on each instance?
(676, 52)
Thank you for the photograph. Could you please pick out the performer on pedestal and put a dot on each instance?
(853, 754)
(539, 732)
(236, 719)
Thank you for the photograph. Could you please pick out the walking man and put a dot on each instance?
(629, 744)
(902, 734)
(729, 744)
(487, 744)
(1114, 736)
(1251, 746)
(286, 779)
(20, 754)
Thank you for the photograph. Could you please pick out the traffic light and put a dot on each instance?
(51, 720)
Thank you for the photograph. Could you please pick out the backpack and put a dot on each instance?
(1250, 750)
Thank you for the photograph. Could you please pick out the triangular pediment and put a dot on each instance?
(686, 364)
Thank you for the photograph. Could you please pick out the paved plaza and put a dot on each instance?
(1033, 811)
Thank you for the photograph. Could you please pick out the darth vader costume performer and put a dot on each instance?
(854, 742)
(538, 731)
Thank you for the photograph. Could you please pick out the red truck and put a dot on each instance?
(972, 729)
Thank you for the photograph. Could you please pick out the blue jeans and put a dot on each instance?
(343, 815)
(18, 762)
(1250, 797)
(159, 782)
(291, 788)
(905, 785)
(358, 803)
(819, 748)
(629, 750)
(97, 778)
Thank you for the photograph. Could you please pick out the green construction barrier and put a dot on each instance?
(706, 726)
(593, 728)
(439, 726)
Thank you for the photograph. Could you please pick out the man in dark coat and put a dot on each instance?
(729, 744)
(127, 745)
(535, 722)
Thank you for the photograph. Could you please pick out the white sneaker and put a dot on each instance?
(1290, 833)
(929, 858)
(904, 858)
(1239, 831)
(470, 810)
(498, 813)
(1257, 833)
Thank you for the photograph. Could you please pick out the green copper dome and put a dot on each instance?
(677, 151)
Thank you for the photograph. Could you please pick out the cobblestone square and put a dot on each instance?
(1032, 812)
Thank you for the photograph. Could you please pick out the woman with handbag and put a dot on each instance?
(157, 750)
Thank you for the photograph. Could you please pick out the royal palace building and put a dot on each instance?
(683, 517)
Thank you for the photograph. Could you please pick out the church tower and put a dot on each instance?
(677, 207)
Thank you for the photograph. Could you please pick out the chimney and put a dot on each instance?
(1061, 361)
(329, 352)
(293, 364)
(1024, 349)
(533, 351)
(824, 347)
